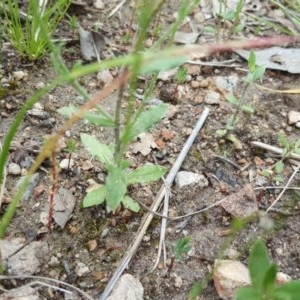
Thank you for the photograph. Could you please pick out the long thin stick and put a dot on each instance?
(274, 149)
(149, 216)
(170, 178)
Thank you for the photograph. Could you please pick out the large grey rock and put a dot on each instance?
(185, 178)
(127, 288)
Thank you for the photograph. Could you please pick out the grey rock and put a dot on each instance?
(227, 83)
(185, 178)
(27, 261)
(33, 181)
(293, 117)
(212, 98)
(127, 288)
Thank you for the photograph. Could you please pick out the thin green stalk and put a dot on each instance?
(240, 103)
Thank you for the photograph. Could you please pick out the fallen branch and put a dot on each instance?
(274, 149)
(154, 207)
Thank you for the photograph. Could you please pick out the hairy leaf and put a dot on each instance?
(129, 203)
(95, 197)
(101, 151)
(96, 119)
(116, 187)
(146, 173)
(144, 122)
(259, 263)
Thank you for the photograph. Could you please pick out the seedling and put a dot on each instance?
(288, 148)
(181, 247)
(73, 21)
(255, 73)
(232, 16)
(263, 279)
(180, 77)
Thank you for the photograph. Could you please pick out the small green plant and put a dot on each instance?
(73, 22)
(255, 73)
(288, 149)
(263, 279)
(180, 77)
(232, 16)
(181, 247)
(24, 32)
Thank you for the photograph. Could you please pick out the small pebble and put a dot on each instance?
(178, 282)
(20, 75)
(14, 169)
(39, 85)
(293, 117)
(212, 98)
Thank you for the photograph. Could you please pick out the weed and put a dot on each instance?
(263, 279)
(73, 22)
(232, 16)
(181, 247)
(180, 77)
(27, 38)
(255, 73)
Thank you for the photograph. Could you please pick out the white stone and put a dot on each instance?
(64, 164)
(20, 75)
(185, 178)
(98, 4)
(178, 282)
(293, 117)
(212, 98)
(14, 169)
(104, 78)
(228, 276)
(127, 287)
(227, 83)
(82, 269)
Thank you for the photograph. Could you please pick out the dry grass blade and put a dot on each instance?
(285, 188)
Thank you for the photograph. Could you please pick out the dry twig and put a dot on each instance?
(149, 216)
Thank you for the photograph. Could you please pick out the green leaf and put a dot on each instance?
(96, 119)
(144, 122)
(247, 293)
(232, 100)
(129, 203)
(116, 187)
(258, 73)
(291, 288)
(101, 151)
(252, 62)
(162, 63)
(282, 140)
(195, 291)
(247, 108)
(269, 280)
(209, 29)
(229, 15)
(146, 173)
(238, 28)
(279, 167)
(297, 150)
(221, 132)
(258, 264)
(181, 247)
(95, 197)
